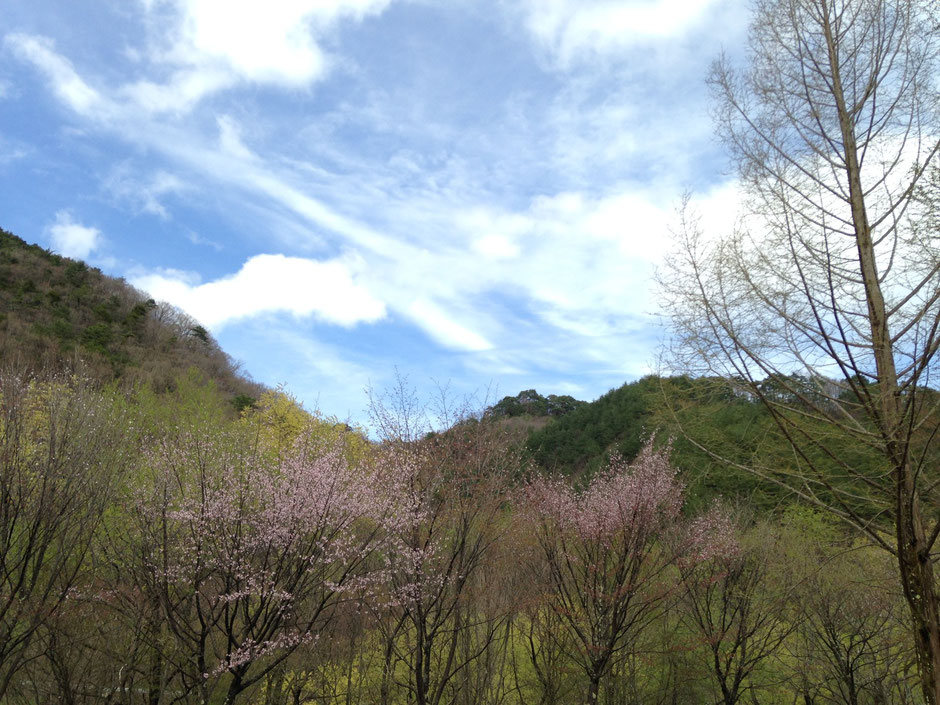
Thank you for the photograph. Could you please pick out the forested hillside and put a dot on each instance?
(579, 442)
(57, 312)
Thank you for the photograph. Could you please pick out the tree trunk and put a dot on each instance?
(594, 687)
(917, 579)
(388, 665)
(155, 675)
(914, 563)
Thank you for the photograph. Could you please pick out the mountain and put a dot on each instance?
(579, 441)
(57, 312)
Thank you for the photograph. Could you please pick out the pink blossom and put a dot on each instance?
(249, 556)
(609, 551)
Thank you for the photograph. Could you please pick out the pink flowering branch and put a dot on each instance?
(247, 560)
(608, 552)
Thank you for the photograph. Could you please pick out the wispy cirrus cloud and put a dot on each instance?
(197, 48)
(573, 258)
(144, 193)
(65, 81)
(574, 31)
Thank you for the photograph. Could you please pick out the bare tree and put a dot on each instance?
(848, 638)
(58, 463)
(738, 607)
(830, 285)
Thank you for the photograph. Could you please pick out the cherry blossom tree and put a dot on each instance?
(247, 561)
(447, 500)
(610, 554)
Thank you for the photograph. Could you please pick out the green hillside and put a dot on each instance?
(689, 414)
(58, 312)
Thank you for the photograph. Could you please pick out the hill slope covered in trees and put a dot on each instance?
(689, 415)
(58, 312)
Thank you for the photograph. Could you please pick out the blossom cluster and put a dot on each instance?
(625, 500)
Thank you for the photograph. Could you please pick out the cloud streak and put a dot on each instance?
(68, 86)
(330, 291)
(577, 30)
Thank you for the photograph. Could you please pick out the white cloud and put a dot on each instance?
(578, 254)
(719, 208)
(496, 246)
(144, 193)
(198, 239)
(200, 47)
(230, 139)
(213, 44)
(67, 84)
(251, 181)
(180, 93)
(441, 326)
(578, 262)
(73, 239)
(263, 42)
(574, 28)
(329, 290)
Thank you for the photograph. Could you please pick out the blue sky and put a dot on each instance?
(472, 192)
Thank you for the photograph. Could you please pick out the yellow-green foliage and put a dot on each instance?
(35, 414)
(277, 422)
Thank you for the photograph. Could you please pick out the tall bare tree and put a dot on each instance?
(829, 287)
